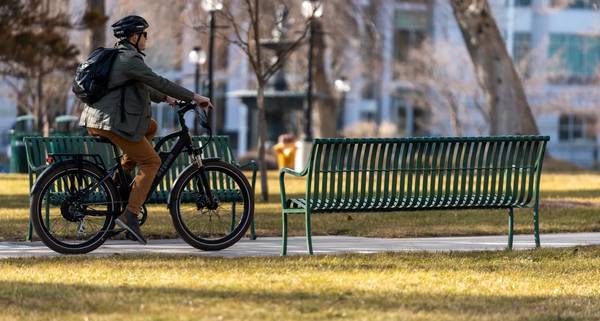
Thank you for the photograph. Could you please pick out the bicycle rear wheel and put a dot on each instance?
(206, 226)
(72, 207)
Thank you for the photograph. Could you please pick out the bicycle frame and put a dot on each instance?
(184, 143)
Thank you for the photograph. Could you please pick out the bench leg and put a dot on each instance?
(232, 217)
(536, 224)
(308, 233)
(30, 230)
(252, 230)
(284, 234)
(511, 225)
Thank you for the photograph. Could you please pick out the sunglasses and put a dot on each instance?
(145, 34)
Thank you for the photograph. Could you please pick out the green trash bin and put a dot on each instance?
(67, 125)
(18, 158)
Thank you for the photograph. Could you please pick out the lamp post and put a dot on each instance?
(211, 6)
(343, 87)
(198, 57)
(311, 9)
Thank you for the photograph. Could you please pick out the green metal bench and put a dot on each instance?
(38, 148)
(410, 174)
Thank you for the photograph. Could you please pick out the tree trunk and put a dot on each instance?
(262, 138)
(96, 21)
(40, 114)
(454, 113)
(510, 113)
(326, 106)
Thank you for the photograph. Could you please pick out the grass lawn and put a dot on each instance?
(570, 203)
(523, 285)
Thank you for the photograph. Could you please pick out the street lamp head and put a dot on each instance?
(312, 9)
(342, 85)
(197, 56)
(212, 5)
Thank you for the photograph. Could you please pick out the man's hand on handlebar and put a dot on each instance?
(203, 102)
(171, 101)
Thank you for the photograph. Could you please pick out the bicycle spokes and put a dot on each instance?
(67, 202)
(215, 212)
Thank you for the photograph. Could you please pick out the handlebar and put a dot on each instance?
(184, 107)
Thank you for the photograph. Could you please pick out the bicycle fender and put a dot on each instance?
(67, 163)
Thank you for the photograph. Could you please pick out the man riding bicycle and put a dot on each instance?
(125, 118)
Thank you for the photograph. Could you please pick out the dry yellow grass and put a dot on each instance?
(530, 285)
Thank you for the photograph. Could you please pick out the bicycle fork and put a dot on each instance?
(204, 186)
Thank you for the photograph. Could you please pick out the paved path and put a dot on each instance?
(270, 246)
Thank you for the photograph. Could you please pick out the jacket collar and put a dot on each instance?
(126, 45)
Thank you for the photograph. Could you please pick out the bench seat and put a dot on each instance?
(382, 204)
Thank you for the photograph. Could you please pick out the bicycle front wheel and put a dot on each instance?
(216, 224)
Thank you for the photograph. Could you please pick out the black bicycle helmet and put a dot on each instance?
(128, 26)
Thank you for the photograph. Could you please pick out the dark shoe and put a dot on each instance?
(129, 221)
(114, 232)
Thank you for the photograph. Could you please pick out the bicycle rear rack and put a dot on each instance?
(93, 158)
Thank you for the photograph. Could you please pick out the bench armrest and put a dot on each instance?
(38, 169)
(254, 167)
(251, 164)
(282, 173)
(292, 172)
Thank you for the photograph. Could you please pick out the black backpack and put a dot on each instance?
(91, 78)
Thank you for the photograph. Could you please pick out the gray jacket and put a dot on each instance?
(145, 86)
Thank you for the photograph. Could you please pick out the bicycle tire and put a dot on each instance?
(44, 182)
(245, 219)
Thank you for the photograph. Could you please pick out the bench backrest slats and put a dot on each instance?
(524, 175)
(520, 161)
(219, 148)
(531, 180)
(519, 183)
(415, 173)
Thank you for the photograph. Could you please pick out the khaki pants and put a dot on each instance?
(141, 153)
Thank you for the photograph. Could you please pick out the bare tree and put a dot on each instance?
(95, 20)
(346, 30)
(248, 22)
(35, 52)
(442, 81)
(509, 109)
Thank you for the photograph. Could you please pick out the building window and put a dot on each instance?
(410, 32)
(521, 46)
(578, 57)
(412, 120)
(522, 3)
(367, 116)
(574, 127)
(576, 4)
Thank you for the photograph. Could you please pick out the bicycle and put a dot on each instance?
(211, 203)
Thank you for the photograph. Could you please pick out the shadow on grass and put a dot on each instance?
(14, 201)
(57, 298)
(591, 193)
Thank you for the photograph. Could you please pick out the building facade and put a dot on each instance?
(559, 46)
